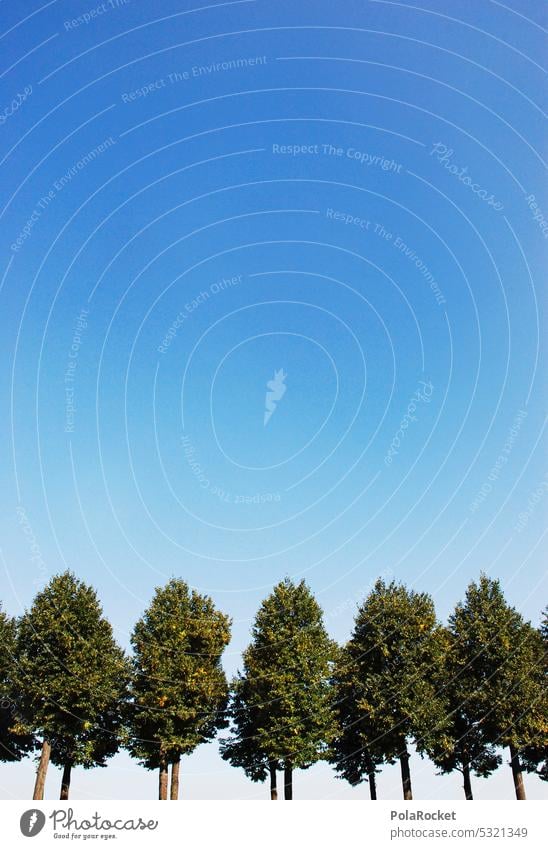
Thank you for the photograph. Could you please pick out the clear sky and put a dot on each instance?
(196, 198)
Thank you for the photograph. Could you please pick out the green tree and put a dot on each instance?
(535, 758)
(462, 745)
(393, 653)
(179, 689)
(502, 658)
(70, 677)
(243, 749)
(281, 710)
(355, 751)
(15, 740)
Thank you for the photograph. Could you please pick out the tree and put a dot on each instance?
(393, 652)
(503, 661)
(15, 740)
(354, 751)
(281, 709)
(462, 745)
(243, 748)
(179, 689)
(535, 758)
(70, 677)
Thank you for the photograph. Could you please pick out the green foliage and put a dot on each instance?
(354, 751)
(243, 748)
(15, 739)
(458, 692)
(71, 677)
(502, 662)
(534, 758)
(390, 672)
(281, 706)
(463, 742)
(179, 689)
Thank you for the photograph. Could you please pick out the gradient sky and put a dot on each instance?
(348, 199)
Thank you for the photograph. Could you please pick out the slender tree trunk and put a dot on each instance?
(516, 772)
(372, 778)
(288, 781)
(406, 776)
(273, 788)
(174, 793)
(162, 786)
(65, 782)
(40, 782)
(467, 784)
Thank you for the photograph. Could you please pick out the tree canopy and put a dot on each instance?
(458, 694)
(282, 710)
(356, 749)
(15, 739)
(70, 675)
(502, 662)
(391, 657)
(463, 744)
(179, 691)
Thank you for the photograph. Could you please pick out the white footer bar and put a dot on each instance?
(261, 825)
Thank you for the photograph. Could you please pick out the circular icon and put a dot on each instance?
(32, 822)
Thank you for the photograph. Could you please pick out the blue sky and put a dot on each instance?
(195, 199)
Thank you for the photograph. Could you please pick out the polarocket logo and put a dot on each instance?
(32, 822)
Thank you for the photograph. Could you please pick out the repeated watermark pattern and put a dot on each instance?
(533, 500)
(93, 14)
(537, 214)
(444, 155)
(36, 557)
(380, 230)
(80, 326)
(326, 149)
(422, 395)
(195, 303)
(15, 104)
(496, 470)
(57, 186)
(193, 73)
(204, 481)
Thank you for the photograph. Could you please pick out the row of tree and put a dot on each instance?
(457, 693)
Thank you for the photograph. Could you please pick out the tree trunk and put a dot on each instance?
(288, 781)
(174, 793)
(406, 776)
(162, 786)
(65, 782)
(40, 782)
(273, 788)
(467, 784)
(371, 775)
(516, 772)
